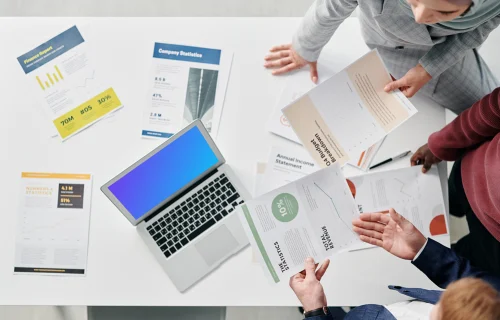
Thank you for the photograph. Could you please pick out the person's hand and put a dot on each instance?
(307, 286)
(424, 156)
(284, 58)
(413, 80)
(390, 231)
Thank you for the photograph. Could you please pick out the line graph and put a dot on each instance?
(402, 187)
(335, 207)
(87, 78)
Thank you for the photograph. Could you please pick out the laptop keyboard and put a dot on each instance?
(194, 215)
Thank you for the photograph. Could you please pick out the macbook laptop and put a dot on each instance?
(182, 197)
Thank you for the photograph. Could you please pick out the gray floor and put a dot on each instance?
(155, 8)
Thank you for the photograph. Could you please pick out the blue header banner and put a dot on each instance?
(186, 53)
(50, 50)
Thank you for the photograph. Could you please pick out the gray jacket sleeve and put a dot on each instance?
(319, 24)
(444, 55)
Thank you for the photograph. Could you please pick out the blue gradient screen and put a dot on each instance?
(166, 172)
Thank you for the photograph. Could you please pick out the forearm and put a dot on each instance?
(475, 125)
(319, 24)
(443, 266)
(444, 55)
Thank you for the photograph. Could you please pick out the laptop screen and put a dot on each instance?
(163, 174)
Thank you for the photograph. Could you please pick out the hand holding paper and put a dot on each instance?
(310, 217)
(348, 113)
(307, 285)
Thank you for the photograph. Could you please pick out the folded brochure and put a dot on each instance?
(310, 217)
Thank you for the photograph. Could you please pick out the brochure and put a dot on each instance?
(63, 76)
(185, 83)
(348, 113)
(298, 84)
(53, 224)
(311, 217)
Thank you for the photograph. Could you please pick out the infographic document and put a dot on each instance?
(63, 76)
(53, 224)
(311, 217)
(297, 85)
(413, 194)
(185, 83)
(340, 118)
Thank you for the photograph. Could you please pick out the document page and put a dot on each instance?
(53, 224)
(310, 217)
(364, 160)
(283, 166)
(413, 194)
(348, 113)
(296, 86)
(63, 76)
(185, 83)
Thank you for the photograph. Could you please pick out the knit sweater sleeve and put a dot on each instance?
(475, 125)
(319, 24)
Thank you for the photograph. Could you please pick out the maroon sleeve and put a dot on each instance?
(475, 125)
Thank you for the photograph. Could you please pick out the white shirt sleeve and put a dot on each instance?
(421, 249)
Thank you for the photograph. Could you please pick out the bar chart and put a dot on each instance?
(52, 79)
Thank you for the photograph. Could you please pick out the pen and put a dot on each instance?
(399, 156)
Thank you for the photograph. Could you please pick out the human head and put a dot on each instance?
(435, 11)
(467, 299)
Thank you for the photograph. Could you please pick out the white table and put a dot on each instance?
(120, 269)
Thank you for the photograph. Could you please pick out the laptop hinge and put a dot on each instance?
(180, 195)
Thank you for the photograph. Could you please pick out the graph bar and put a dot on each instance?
(47, 84)
(59, 73)
(40, 83)
(50, 78)
(55, 77)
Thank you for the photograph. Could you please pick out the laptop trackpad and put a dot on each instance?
(216, 245)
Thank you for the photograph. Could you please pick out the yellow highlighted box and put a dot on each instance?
(87, 113)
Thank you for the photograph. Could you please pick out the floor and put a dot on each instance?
(162, 8)
(155, 8)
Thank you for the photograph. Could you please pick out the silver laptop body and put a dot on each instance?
(195, 228)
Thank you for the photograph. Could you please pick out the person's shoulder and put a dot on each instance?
(370, 312)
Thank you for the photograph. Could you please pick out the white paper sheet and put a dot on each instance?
(282, 167)
(413, 194)
(310, 217)
(297, 85)
(62, 74)
(348, 113)
(53, 224)
(185, 83)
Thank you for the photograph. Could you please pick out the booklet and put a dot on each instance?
(311, 217)
(53, 224)
(185, 83)
(62, 73)
(415, 195)
(345, 115)
(298, 84)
